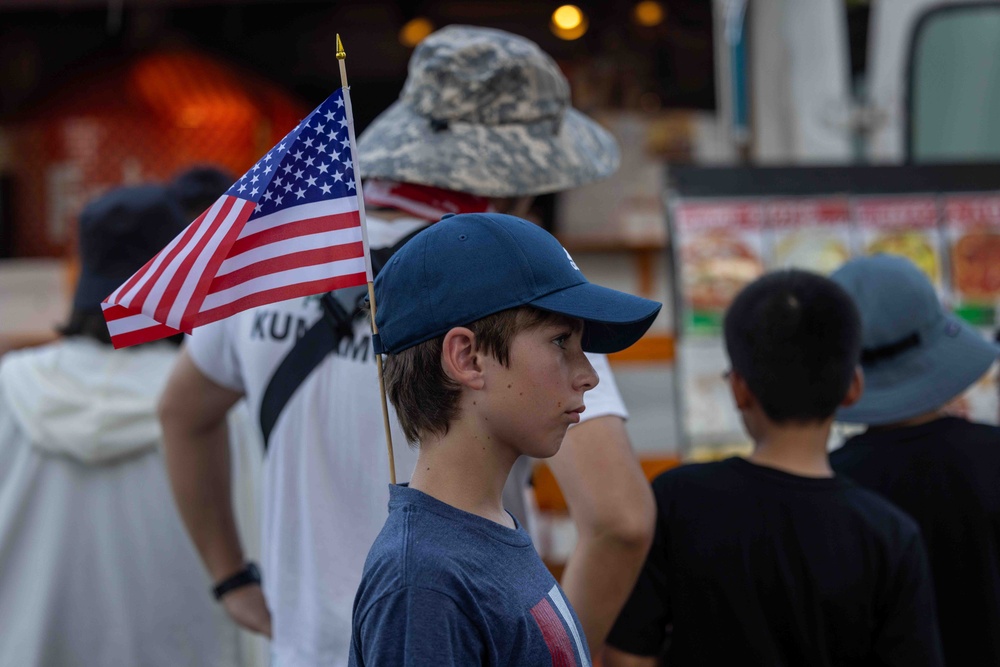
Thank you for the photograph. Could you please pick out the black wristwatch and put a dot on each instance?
(248, 575)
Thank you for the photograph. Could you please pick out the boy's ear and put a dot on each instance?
(460, 360)
(742, 395)
(856, 388)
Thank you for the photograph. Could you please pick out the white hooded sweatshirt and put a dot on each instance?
(95, 566)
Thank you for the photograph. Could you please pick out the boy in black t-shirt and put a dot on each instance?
(942, 470)
(773, 560)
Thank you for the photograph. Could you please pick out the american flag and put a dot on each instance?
(289, 227)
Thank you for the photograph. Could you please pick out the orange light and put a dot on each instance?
(569, 22)
(648, 13)
(414, 31)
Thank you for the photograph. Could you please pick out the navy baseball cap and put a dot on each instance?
(469, 266)
(915, 356)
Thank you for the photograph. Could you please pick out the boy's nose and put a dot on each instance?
(586, 377)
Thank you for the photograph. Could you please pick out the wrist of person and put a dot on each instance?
(248, 575)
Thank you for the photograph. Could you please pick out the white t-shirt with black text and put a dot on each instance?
(325, 476)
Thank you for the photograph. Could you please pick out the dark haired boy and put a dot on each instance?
(485, 319)
(772, 560)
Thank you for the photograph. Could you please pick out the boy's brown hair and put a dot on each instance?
(425, 398)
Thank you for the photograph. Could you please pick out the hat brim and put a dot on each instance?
(613, 320)
(923, 379)
(512, 160)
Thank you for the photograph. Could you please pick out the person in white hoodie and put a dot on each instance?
(95, 566)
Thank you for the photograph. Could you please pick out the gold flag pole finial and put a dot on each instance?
(341, 53)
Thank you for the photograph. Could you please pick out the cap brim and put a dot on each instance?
(613, 320)
(512, 160)
(922, 379)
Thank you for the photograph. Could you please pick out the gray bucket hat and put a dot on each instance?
(486, 112)
(916, 357)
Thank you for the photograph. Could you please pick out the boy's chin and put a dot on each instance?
(544, 450)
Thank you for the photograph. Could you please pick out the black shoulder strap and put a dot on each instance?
(319, 340)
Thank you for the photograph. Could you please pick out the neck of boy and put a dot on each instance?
(796, 448)
(466, 470)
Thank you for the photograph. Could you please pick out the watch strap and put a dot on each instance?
(245, 577)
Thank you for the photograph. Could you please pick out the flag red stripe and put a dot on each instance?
(145, 335)
(279, 294)
(151, 280)
(113, 313)
(290, 230)
(212, 268)
(166, 303)
(554, 634)
(285, 262)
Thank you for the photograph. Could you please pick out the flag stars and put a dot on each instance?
(331, 135)
(309, 161)
(350, 184)
(300, 193)
(253, 193)
(298, 174)
(255, 179)
(343, 122)
(326, 187)
(338, 177)
(329, 115)
(308, 142)
(321, 148)
(345, 143)
(256, 166)
(256, 208)
(297, 155)
(268, 195)
(334, 155)
(278, 181)
(339, 102)
(323, 168)
(277, 200)
(242, 187)
(348, 164)
(311, 180)
(267, 169)
(287, 168)
(288, 187)
(319, 127)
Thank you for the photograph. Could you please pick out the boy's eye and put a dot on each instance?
(561, 340)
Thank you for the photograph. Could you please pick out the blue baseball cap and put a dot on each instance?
(916, 357)
(469, 266)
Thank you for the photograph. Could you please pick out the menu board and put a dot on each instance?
(906, 226)
(972, 224)
(810, 234)
(720, 247)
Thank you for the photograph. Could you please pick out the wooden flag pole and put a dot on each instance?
(341, 57)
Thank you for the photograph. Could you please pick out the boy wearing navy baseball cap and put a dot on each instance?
(484, 319)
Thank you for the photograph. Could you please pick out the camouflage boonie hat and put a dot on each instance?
(486, 112)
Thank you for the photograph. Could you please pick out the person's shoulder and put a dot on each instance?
(878, 513)
(972, 431)
(692, 477)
